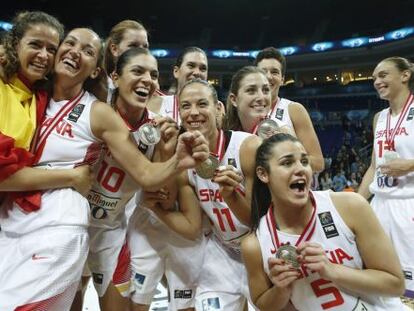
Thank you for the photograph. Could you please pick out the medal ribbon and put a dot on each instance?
(389, 137)
(306, 234)
(143, 120)
(44, 134)
(254, 130)
(276, 102)
(221, 142)
(175, 109)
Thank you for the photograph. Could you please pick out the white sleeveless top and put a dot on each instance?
(327, 228)
(227, 228)
(281, 113)
(113, 187)
(400, 187)
(169, 107)
(70, 144)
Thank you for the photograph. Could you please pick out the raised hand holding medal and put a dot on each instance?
(390, 155)
(169, 135)
(289, 254)
(207, 168)
(288, 250)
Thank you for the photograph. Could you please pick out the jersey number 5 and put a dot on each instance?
(320, 290)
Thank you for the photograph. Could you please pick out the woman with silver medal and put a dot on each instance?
(291, 113)
(150, 237)
(222, 198)
(390, 177)
(313, 250)
(249, 104)
(134, 77)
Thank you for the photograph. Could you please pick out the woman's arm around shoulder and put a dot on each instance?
(109, 127)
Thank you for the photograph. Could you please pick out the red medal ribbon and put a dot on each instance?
(390, 137)
(143, 120)
(175, 109)
(221, 142)
(307, 231)
(30, 201)
(44, 133)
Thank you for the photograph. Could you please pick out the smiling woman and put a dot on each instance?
(390, 177)
(314, 249)
(291, 113)
(125, 35)
(135, 77)
(223, 198)
(73, 131)
(30, 49)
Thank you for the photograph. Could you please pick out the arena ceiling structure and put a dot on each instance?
(248, 25)
(234, 24)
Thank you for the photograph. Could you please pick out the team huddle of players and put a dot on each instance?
(104, 176)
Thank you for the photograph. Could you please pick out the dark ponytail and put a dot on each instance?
(261, 197)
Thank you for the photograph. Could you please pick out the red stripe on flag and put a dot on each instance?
(12, 158)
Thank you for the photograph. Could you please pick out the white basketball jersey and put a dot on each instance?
(326, 227)
(111, 89)
(281, 113)
(71, 143)
(400, 187)
(226, 226)
(113, 187)
(169, 108)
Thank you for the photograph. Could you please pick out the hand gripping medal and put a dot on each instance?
(207, 168)
(288, 253)
(149, 134)
(390, 155)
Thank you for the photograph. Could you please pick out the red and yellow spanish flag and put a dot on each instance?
(20, 113)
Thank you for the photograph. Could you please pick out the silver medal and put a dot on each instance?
(149, 134)
(288, 253)
(267, 128)
(390, 155)
(207, 168)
